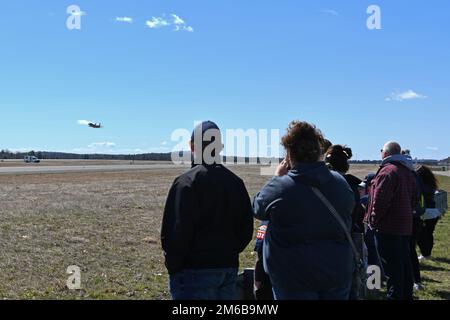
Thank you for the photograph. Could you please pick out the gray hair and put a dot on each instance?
(392, 148)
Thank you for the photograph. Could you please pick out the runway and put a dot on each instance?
(88, 168)
(442, 173)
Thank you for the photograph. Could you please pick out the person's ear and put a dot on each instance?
(289, 159)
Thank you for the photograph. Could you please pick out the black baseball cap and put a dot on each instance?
(204, 126)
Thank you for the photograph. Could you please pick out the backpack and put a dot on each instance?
(421, 206)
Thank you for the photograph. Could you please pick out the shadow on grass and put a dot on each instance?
(442, 260)
(426, 279)
(432, 268)
(443, 294)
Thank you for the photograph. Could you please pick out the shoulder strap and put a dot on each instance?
(338, 218)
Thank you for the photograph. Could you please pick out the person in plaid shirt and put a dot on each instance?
(393, 197)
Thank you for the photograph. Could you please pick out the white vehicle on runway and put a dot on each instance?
(31, 159)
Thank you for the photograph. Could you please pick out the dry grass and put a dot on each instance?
(106, 223)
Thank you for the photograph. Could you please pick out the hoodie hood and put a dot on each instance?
(406, 160)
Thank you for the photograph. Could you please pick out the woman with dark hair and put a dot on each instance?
(306, 252)
(425, 239)
(424, 221)
(336, 158)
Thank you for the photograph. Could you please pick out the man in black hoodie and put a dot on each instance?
(207, 222)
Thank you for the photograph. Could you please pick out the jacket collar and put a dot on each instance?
(405, 160)
(315, 174)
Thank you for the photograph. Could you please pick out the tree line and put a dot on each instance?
(43, 155)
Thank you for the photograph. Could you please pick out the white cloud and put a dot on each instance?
(176, 21)
(157, 22)
(83, 122)
(433, 148)
(164, 143)
(96, 145)
(124, 19)
(90, 150)
(180, 24)
(407, 95)
(332, 12)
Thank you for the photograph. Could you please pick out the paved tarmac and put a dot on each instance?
(89, 168)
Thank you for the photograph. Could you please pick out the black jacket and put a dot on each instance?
(358, 210)
(207, 220)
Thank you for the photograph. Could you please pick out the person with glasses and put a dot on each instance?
(392, 200)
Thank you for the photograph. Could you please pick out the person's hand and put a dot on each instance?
(282, 168)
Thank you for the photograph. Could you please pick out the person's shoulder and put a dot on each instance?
(389, 168)
(281, 183)
(224, 171)
(352, 180)
(187, 177)
(337, 177)
(204, 173)
(339, 181)
(227, 171)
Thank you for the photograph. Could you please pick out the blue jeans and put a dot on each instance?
(204, 284)
(295, 294)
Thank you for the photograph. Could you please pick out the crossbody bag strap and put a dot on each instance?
(338, 218)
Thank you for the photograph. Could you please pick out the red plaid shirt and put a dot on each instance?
(392, 199)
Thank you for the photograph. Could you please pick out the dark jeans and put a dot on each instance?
(413, 253)
(295, 294)
(204, 284)
(263, 286)
(373, 258)
(425, 239)
(395, 257)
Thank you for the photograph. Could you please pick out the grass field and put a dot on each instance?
(436, 272)
(108, 224)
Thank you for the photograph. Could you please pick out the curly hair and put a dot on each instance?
(303, 141)
(337, 158)
(326, 145)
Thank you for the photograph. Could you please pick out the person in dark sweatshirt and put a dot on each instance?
(207, 222)
(337, 158)
(392, 200)
(432, 215)
(306, 253)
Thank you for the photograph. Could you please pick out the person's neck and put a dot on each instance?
(302, 164)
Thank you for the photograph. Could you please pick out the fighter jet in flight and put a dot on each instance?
(95, 125)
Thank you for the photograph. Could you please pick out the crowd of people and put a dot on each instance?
(309, 211)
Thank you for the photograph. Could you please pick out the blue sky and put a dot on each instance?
(244, 64)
